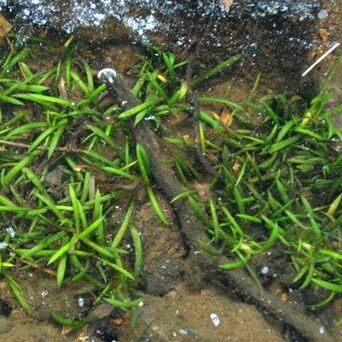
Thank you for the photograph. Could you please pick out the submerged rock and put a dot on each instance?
(243, 25)
(275, 37)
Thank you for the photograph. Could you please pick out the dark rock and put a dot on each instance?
(273, 36)
(103, 330)
(164, 273)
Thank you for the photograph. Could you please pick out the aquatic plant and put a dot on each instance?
(267, 172)
(56, 216)
(68, 162)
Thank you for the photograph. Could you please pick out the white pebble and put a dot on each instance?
(215, 319)
(80, 302)
(322, 330)
(183, 332)
(107, 75)
(322, 14)
(264, 270)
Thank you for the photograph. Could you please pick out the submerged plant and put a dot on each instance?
(279, 187)
(55, 142)
(269, 170)
(68, 162)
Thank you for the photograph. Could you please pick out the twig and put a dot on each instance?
(209, 169)
(41, 148)
(39, 267)
(320, 59)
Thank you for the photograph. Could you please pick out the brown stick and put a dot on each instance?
(41, 148)
(194, 232)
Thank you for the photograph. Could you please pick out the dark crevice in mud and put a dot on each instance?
(5, 308)
(102, 330)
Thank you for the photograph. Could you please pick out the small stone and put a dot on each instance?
(226, 4)
(118, 321)
(322, 14)
(322, 330)
(215, 319)
(101, 311)
(44, 293)
(107, 75)
(10, 230)
(80, 302)
(264, 270)
(171, 294)
(183, 332)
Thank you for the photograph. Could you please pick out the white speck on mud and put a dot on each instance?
(44, 293)
(215, 319)
(322, 330)
(183, 332)
(264, 270)
(80, 302)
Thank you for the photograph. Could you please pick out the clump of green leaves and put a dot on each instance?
(279, 169)
(56, 142)
(67, 163)
(279, 188)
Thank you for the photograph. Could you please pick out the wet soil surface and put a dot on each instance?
(206, 315)
(280, 39)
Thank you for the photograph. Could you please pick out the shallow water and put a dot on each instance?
(278, 38)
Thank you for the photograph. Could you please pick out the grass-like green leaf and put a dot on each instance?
(124, 226)
(18, 293)
(137, 109)
(61, 270)
(15, 170)
(127, 304)
(143, 163)
(138, 261)
(215, 71)
(69, 322)
(155, 205)
(43, 99)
